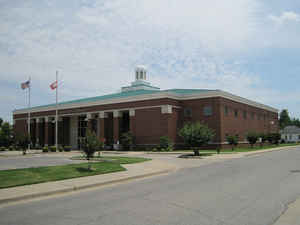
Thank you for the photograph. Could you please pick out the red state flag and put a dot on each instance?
(25, 84)
(53, 85)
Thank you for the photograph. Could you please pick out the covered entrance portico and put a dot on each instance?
(107, 125)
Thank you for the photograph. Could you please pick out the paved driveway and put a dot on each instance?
(37, 160)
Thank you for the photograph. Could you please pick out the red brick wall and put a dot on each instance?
(149, 125)
(232, 125)
(197, 107)
(21, 127)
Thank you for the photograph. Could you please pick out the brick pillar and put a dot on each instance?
(37, 131)
(166, 110)
(132, 121)
(116, 115)
(46, 138)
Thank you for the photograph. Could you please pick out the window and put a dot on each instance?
(236, 113)
(264, 116)
(245, 114)
(226, 110)
(137, 75)
(207, 111)
(187, 112)
(299, 137)
(252, 115)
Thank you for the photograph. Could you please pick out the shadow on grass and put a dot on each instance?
(192, 156)
(84, 170)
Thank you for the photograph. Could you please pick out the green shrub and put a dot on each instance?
(264, 138)
(154, 149)
(165, 144)
(232, 140)
(252, 138)
(45, 149)
(2, 149)
(60, 148)
(67, 148)
(11, 148)
(276, 138)
(53, 148)
(127, 140)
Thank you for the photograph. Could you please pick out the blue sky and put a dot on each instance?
(247, 47)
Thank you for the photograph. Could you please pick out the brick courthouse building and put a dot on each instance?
(148, 113)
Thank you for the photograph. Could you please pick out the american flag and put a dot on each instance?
(25, 84)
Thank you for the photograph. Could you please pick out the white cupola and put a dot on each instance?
(140, 83)
(140, 73)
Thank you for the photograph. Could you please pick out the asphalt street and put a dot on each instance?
(253, 190)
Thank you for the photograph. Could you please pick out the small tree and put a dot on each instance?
(270, 138)
(101, 146)
(5, 134)
(276, 138)
(264, 138)
(232, 140)
(165, 143)
(196, 135)
(252, 138)
(127, 140)
(22, 141)
(90, 146)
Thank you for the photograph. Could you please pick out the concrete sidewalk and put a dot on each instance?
(134, 171)
(291, 216)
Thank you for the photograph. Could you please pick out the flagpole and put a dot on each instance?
(29, 145)
(56, 116)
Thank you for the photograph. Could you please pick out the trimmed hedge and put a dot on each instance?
(67, 148)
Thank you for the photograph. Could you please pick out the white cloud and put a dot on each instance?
(285, 17)
(96, 45)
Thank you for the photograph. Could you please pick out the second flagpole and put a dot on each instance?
(56, 116)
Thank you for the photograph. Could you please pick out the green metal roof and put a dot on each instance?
(125, 94)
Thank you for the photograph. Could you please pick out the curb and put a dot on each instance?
(272, 150)
(81, 187)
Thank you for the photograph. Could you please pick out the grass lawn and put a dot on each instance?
(18, 177)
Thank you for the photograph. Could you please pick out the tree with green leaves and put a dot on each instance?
(127, 140)
(90, 146)
(232, 140)
(196, 135)
(264, 138)
(295, 122)
(284, 119)
(22, 141)
(5, 134)
(1, 121)
(165, 143)
(252, 138)
(276, 138)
